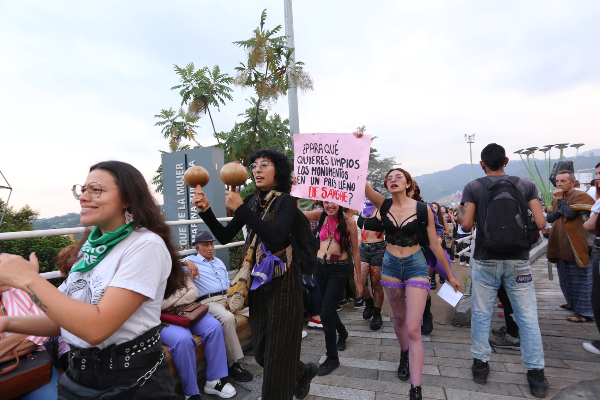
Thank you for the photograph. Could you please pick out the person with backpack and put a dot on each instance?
(409, 228)
(499, 204)
(338, 237)
(278, 245)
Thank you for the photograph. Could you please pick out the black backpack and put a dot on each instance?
(506, 225)
(422, 218)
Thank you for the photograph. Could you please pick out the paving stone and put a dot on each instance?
(363, 373)
(380, 365)
(583, 390)
(393, 354)
(575, 374)
(527, 393)
(463, 363)
(342, 393)
(357, 316)
(456, 394)
(352, 350)
(394, 387)
(586, 365)
(447, 346)
(447, 339)
(445, 382)
(505, 377)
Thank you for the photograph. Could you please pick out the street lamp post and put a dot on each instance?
(292, 92)
(470, 139)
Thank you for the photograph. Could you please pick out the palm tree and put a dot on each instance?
(268, 68)
(177, 125)
(203, 88)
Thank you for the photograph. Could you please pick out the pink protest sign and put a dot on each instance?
(331, 167)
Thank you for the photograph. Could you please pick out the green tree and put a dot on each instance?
(177, 125)
(45, 248)
(268, 69)
(256, 131)
(202, 88)
(17, 220)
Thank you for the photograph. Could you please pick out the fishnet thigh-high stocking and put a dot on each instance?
(395, 295)
(364, 274)
(376, 284)
(416, 298)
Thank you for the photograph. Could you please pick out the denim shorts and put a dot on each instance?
(404, 268)
(372, 253)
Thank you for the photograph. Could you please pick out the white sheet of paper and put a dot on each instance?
(446, 292)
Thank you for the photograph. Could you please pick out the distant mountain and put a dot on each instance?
(440, 186)
(70, 220)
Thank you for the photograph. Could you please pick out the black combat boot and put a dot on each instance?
(403, 370)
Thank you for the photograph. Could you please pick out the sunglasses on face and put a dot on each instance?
(94, 189)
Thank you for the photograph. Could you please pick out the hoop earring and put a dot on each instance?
(128, 217)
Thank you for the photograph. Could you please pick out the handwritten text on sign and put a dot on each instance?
(331, 167)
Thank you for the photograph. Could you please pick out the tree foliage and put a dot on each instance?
(45, 248)
(269, 70)
(203, 88)
(257, 131)
(177, 125)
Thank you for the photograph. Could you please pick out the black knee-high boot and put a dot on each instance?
(427, 326)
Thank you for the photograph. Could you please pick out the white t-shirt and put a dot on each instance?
(140, 263)
(592, 192)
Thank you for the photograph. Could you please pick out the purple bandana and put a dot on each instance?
(368, 208)
(263, 273)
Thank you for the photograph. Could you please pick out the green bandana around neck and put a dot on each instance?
(98, 246)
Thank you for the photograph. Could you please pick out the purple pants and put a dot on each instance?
(183, 350)
(434, 264)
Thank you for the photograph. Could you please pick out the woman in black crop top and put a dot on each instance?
(372, 249)
(276, 306)
(404, 274)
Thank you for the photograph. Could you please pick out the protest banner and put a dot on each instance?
(331, 167)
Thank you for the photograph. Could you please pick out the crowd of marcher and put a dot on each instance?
(104, 321)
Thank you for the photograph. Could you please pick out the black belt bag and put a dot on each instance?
(71, 390)
(68, 389)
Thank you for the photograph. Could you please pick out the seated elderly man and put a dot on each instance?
(210, 276)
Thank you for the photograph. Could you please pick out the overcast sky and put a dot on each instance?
(80, 81)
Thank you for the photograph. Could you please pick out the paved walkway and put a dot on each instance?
(369, 363)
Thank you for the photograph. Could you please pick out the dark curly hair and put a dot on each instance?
(283, 168)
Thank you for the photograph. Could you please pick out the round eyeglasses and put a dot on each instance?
(261, 165)
(94, 189)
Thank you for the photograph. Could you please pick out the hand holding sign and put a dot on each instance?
(331, 167)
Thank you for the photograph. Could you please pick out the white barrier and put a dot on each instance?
(69, 231)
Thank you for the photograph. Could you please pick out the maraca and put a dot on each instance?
(233, 174)
(196, 177)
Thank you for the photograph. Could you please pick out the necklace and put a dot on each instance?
(330, 234)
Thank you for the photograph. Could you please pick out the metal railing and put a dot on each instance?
(78, 230)
(469, 253)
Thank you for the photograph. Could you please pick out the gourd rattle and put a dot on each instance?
(233, 174)
(196, 177)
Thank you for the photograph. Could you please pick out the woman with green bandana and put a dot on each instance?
(109, 310)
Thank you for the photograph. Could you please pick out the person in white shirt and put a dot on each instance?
(109, 313)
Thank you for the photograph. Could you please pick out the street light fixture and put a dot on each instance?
(470, 139)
